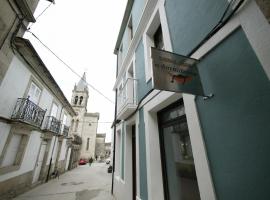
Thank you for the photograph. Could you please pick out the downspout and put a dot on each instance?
(114, 129)
(114, 135)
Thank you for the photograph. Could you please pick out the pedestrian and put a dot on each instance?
(90, 161)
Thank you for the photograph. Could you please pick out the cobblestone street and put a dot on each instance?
(82, 183)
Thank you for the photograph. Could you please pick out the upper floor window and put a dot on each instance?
(34, 93)
(158, 38)
(54, 110)
(81, 99)
(76, 100)
(153, 37)
(130, 29)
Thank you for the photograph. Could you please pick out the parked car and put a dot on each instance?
(82, 162)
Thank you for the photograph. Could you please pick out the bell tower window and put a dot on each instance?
(81, 99)
(76, 100)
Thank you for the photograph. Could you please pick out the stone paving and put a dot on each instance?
(82, 183)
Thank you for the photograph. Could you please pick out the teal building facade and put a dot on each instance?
(178, 146)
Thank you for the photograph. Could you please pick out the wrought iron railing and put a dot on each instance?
(27, 111)
(52, 124)
(65, 130)
(127, 95)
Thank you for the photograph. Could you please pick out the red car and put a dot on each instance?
(82, 162)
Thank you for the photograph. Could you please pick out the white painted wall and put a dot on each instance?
(4, 131)
(29, 159)
(14, 86)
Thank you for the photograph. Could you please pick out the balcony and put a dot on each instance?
(27, 111)
(127, 99)
(65, 130)
(52, 124)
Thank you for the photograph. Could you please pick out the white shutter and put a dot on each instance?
(34, 93)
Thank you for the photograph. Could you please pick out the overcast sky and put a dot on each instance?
(83, 33)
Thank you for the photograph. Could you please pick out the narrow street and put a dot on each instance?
(82, 183)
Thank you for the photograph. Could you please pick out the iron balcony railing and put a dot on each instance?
(52, 124)
(27, 111)
(127, 94)
(65, 130)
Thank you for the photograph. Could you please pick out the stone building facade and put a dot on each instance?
(100, 146)
(84, 124)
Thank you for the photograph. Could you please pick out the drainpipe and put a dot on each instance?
(114, 135)
(114, 128)
(48, 173)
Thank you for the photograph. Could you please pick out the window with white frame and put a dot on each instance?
(13, 151)
(153, 37)
(34, 93)
(130, 29)
(119, 57)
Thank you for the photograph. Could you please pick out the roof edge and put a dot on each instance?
(123, 25)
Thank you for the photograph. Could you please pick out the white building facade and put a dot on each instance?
(34, 123)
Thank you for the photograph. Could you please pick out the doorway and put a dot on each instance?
(39, 162)
(134, 175)
(179, 175)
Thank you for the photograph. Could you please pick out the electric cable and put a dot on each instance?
(70, 68)
(40, 15)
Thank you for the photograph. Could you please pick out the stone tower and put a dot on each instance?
(84, 124)
(80, 96)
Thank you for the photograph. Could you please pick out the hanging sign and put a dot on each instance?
(176, 73)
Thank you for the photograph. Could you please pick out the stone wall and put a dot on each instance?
(22, 183)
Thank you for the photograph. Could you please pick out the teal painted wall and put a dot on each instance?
(142, 86)
(235, 123)
(136, 12)
(142, 157)
(199, 18)
(125, 43)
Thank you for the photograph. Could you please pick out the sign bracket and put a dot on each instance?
(210, 96)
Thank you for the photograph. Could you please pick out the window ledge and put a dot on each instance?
(8, 169)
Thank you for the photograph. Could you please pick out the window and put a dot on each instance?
(153, 37)
(87, 144)
(158, 38)
(119, 57)
(13, 152)
(54, 110)
(130, 29)
(34, 93)
(81, 99)
(76, 100)
(76, 125)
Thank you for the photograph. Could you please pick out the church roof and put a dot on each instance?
(82, 85)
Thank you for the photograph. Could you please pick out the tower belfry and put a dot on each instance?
(80, 95)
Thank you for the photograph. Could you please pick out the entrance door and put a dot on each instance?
(134, 176)
(39, 162)
(180, 182)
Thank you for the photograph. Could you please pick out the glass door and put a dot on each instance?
(179, 175)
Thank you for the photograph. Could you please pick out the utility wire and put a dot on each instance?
(72, 70)
(40, 15)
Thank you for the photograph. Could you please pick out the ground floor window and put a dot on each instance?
(13, 151)
(179, 173)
